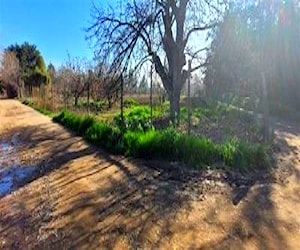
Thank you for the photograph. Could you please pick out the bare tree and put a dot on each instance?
(79, 77)
(166, 31)
(63, 86)
(10, 74)
(110, 88)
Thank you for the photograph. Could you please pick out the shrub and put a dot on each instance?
(96, 106)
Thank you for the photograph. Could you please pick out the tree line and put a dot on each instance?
(22, 68)
(23, 74)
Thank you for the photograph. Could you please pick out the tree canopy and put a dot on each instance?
(33, 68)
(9, 74)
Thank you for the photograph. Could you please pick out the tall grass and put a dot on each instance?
(167, 144)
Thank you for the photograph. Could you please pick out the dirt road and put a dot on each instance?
(58, 192)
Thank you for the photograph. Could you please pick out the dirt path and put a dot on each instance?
(58, 192)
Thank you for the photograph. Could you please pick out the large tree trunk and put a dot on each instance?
(173, 82)
(173, 76)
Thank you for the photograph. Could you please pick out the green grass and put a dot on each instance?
(77, 123)
(141, 140)
(137, 118)
(167, 144)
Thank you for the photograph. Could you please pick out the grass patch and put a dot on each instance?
(77, 123)
(166, 144)
(137, 118)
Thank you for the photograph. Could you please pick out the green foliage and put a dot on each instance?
(196, 150)
(78, 123)
(166, 144)
(109, 137)
(130, 103)
(151, 144)
(33, 68)
(244, 156)
(137, 119)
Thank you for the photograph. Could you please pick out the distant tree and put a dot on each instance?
(131, 82)
(33, 68)
(110, 88)
(63, 86)
(79, 77)
(51, 73)
(10, 74)
(143, 85)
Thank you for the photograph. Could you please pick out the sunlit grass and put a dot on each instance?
(167, 144)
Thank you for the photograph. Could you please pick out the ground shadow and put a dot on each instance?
(139, 193)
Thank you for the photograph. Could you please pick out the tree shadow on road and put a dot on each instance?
(96, 193)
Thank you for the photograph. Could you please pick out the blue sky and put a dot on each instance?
(54, 26)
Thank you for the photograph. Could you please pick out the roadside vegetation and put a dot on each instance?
(136, 136)
(139, 139)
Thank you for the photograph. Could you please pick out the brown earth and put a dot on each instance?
(58, 192)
